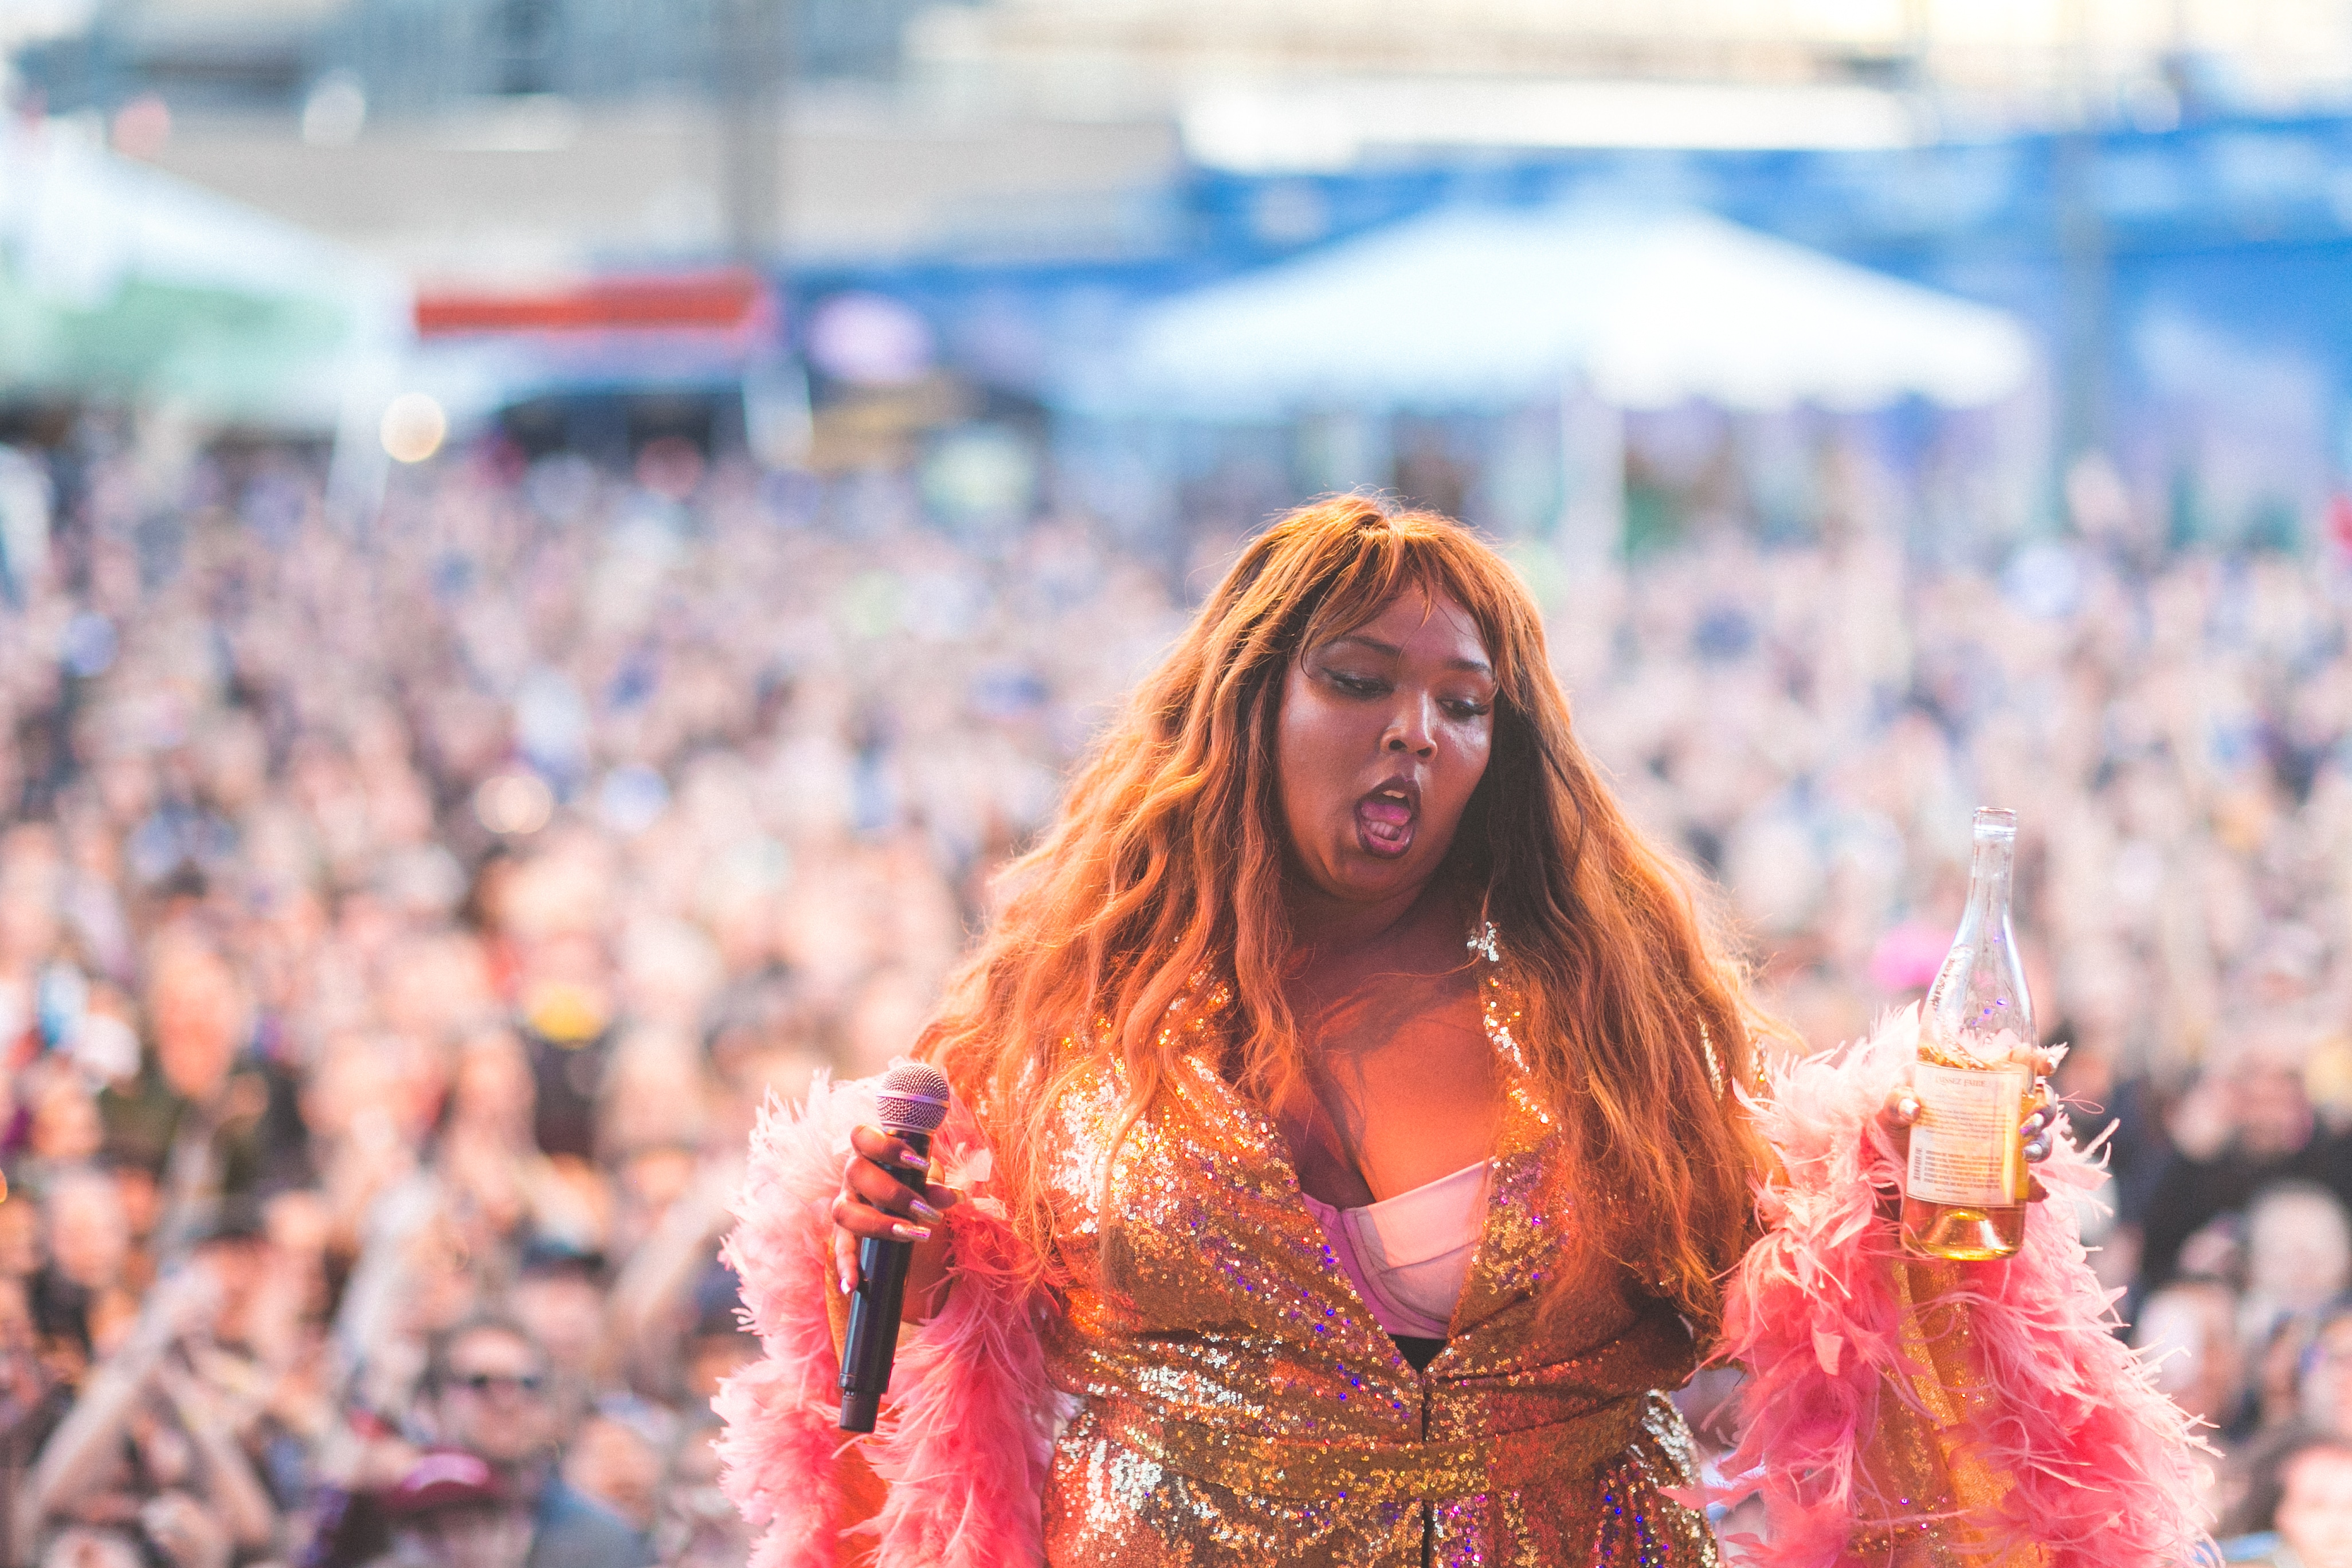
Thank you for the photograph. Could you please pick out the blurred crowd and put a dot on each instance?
(401, 924)
(398, 931)
(1814, 726)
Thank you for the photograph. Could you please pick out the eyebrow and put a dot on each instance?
(1472, 666)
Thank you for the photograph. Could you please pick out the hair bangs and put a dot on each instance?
(1416, 550)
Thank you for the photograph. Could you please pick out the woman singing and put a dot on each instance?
(1357, 1132)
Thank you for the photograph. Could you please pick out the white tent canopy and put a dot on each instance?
(83, 231)
(1495, 309)
(81, 220)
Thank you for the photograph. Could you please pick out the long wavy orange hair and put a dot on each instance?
(1168, 862)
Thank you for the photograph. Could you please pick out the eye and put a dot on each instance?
(1357, 685)
(1467, 707)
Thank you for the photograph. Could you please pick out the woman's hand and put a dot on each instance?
(2039, 1127)
(874, 1203)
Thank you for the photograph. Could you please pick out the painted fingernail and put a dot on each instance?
(913, 1160)
(1906, 1108)
(848, 1283)
(922, 1210)
(911, 1232)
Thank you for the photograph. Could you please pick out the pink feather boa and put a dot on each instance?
(964, 1440)
(2103, 1468)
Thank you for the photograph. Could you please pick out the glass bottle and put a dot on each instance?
(1965, 1185)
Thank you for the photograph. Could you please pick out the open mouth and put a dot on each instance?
(1384, 819)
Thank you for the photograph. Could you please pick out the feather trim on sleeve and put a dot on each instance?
(964, 1440)
(1989, 1408)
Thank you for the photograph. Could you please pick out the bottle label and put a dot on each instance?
(1965, 1149)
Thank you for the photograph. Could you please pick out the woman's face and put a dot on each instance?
(1384, 735)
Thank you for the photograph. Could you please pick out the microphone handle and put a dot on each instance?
(874, 1311)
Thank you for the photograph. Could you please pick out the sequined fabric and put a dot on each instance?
(1928, 1499)
(1237, 1404)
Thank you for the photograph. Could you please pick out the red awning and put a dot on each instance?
(733, 302)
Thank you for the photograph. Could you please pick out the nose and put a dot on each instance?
(1410, 730)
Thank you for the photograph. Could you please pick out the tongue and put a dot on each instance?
(1386, 811)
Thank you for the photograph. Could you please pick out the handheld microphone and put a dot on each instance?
(913, 1102)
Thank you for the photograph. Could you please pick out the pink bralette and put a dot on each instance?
(1409, 1255)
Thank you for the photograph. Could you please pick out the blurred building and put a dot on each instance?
(2010, 64)
(492, 137)
(420, 57)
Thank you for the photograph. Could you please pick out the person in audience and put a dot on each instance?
(2299, 1255)
(559, 1299)
(2313, 1519)
(487, 1392)
(2267, 1133)
(452, 1510)
(2188, 1332)
(150, 1442)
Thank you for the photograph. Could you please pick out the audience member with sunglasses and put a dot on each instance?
(485, 1390)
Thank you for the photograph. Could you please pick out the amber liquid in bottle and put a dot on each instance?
(1965, 1184)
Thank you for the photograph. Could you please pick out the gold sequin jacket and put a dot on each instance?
(1234, 1402)
(1209, 1391)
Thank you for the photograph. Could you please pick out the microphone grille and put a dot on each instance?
(914, 1099)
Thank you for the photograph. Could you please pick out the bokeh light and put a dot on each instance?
(413, 427)
(514, 806)
(143, 127)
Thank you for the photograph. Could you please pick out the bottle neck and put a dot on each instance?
(1988, 879)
